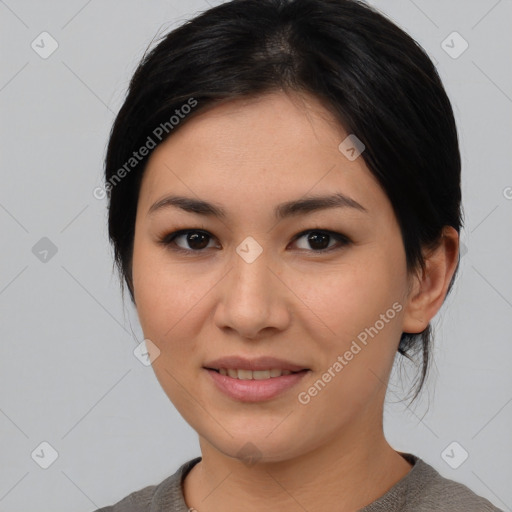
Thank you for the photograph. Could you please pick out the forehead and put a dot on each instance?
(270, 148)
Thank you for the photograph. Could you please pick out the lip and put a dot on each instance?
(254, 390)
(258, 363)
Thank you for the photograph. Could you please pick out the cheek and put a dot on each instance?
(169, 305)
(354, 295)
(159, 293)
(361, 308)
(165, 301)
(150, 278)
(361, 304)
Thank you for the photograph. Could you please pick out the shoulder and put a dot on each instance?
(136, 501)
(440, 493)
(166, 496)
(423, 489)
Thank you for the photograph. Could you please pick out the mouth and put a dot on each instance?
(254, 379)
(255, 385)
(244, 374)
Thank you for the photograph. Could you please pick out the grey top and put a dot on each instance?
(423, 489)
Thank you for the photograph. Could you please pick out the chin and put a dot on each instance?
(257, 446)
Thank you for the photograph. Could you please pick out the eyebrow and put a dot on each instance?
(301, 206)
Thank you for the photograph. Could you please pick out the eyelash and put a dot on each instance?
(168, 240)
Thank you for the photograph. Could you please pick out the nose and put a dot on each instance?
(253, 300)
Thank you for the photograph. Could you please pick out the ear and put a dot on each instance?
(428, 290)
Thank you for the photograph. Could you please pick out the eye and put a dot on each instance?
(196, 241)
(319, 240)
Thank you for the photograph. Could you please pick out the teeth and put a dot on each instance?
(260, 374)
(244, 374)
(253, 375)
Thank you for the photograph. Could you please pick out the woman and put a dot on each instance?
(284, 187)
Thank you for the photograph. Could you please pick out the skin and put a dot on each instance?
(291, 302)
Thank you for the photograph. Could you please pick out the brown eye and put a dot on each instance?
(189, 240)
(320, 240)
(196, 240)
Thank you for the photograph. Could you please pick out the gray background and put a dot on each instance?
(68, 375)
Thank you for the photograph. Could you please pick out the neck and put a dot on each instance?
(341, 474)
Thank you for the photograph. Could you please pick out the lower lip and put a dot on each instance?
(255, 390)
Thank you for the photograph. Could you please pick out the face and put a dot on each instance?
(323, 288)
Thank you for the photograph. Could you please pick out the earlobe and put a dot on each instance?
(429, 288)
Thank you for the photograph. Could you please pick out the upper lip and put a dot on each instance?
(258, 363)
